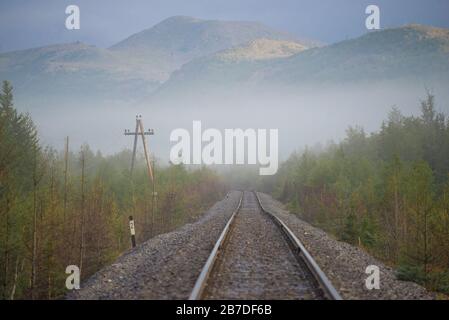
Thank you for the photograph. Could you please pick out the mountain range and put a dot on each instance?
(184, 54)
(412, 53)
(129, 69)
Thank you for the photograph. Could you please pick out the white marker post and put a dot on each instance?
(132, 230)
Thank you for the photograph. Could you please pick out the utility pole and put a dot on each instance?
(141, 131)
(66, 167)
(82, 248)
(153, 198)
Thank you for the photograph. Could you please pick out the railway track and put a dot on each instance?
(258, 257)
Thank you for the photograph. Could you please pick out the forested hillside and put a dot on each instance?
(128, 71)
(59, 209)
(410, 54)
(387, 192)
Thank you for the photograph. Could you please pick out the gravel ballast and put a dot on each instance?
(167, 266)
(164, 267)
(256, 262)
(345, 264)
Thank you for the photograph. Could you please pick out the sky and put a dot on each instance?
(25, 23)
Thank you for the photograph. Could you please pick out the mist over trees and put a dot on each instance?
(71, 208)
(387, 192)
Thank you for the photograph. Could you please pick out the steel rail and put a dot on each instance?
(201, 282)
(302, 253)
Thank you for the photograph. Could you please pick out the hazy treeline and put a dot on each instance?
(61, 208)
(387, 192)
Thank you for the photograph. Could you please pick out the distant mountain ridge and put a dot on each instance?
(136, 65)
(184, 54)
(178, 40)
(413, 52)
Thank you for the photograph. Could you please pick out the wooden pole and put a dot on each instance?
(147, 157)
(153, 199)
(66, 167)
(34, 248)
(83, 160)
(136, 133)
(135, 145)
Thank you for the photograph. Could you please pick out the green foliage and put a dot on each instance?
(438, 281)
(52, 216)
(387, 192)
(411, 273)
(349, 232)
